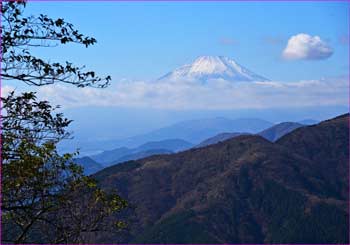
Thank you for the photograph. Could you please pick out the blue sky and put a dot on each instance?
(144, 40)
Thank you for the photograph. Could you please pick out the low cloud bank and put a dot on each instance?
(215, 94)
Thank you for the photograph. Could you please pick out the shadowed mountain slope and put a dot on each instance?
(243, 190)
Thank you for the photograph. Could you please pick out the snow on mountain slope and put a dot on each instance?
(207, 68)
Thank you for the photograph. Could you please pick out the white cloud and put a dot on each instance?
(304, 46)
(216, 94)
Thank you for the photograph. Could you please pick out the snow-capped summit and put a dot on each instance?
(205, 68)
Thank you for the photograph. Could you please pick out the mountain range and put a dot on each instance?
(174, 138)
(242, 190)
(218, 138)
(272, 134)
(118, 155)
(195, 131)
(122, 154)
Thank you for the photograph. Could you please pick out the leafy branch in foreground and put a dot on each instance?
(46, 197)
(20, 33)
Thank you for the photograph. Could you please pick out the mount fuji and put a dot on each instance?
(206, 68)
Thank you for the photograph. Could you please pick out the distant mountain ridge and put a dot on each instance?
(218, 138)
(272, 134)
(90, 166)
(277, 131)
(117, 155)
(243, 190)
(174, 138)
(308, 122)
(142, 154)
(195, 131)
